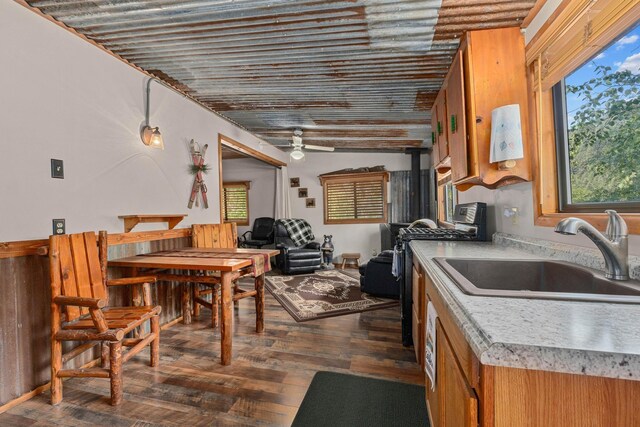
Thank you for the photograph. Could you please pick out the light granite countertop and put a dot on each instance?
(588, 338)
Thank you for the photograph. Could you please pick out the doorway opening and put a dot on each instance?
(247, 183)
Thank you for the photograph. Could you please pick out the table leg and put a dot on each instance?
(260, 303)
(136, 299)
(136, 296)
(186, 303)
(226, 326)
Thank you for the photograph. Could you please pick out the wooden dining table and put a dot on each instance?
(227, 261)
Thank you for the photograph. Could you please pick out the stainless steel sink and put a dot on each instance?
(540, 279)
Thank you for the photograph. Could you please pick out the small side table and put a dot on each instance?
(351, 257)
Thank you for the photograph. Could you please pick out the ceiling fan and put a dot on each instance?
(297, 145)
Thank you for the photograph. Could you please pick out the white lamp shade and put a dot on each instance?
(297, 154)
(506, 134)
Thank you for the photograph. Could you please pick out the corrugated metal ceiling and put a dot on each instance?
(359, 74)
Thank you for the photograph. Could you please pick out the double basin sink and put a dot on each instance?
(538, 279)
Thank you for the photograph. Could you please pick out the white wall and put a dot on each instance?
(520, 196)
(262, 192)
(362, 238)
(63, 98)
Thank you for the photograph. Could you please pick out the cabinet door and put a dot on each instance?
(441, 125)
(458, 404)
(431, 396)
(416, 325)
(456, 122)
(418, 312)
(435, 156)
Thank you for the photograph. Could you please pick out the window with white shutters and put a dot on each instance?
(355, 198)
(235, 202)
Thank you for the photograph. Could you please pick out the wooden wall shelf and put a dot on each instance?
(131, 221)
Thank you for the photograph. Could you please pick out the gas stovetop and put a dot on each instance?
(469, 221)
(436, 234)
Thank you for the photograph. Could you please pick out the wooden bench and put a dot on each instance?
(80, 311)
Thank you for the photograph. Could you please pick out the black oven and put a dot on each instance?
(469, 223)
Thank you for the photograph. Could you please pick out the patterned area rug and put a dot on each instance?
(322, 294)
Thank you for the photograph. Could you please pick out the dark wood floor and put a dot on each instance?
(264, 385)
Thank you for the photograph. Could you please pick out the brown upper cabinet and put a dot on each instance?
(456, 122)
(487, 72)
(442, 136)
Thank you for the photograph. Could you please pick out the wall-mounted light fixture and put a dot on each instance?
(150, 136)
(506, 136)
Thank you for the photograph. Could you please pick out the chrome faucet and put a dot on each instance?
(614, 244)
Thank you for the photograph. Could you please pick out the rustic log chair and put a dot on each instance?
(80, 312)
(220, 236)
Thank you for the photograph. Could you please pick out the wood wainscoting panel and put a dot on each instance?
(530, 398)
(24, 325)
(25, 320)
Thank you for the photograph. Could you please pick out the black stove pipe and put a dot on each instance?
(416, 194)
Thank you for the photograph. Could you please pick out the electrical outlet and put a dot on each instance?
(59, 226)
(513, 213)
(57, 169)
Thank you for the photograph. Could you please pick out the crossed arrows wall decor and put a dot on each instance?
(197, 168)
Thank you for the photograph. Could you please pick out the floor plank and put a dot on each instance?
(264, 385)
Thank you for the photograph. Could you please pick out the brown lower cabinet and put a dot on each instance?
(469, 394)
(457, 401)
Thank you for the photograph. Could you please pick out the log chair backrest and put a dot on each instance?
(76, 269)
(215, 235)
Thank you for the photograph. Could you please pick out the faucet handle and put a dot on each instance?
(616, 227)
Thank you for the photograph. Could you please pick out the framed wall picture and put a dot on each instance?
(294, 182)
(311, 202)
(302, 193)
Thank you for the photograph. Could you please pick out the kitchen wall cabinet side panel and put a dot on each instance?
(456, 120)
(500, 79)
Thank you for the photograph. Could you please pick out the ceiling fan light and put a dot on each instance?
(297, 154)
(297, 141)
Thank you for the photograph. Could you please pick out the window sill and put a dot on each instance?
(355, 221)
(598, 220)
(237, 222)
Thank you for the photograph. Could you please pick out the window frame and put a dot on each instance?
(235, 184)
(576, 31)
(382, 177)
(559, 97)
(443, 181)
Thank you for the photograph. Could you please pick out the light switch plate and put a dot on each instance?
(59, 226)
(57, 169)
